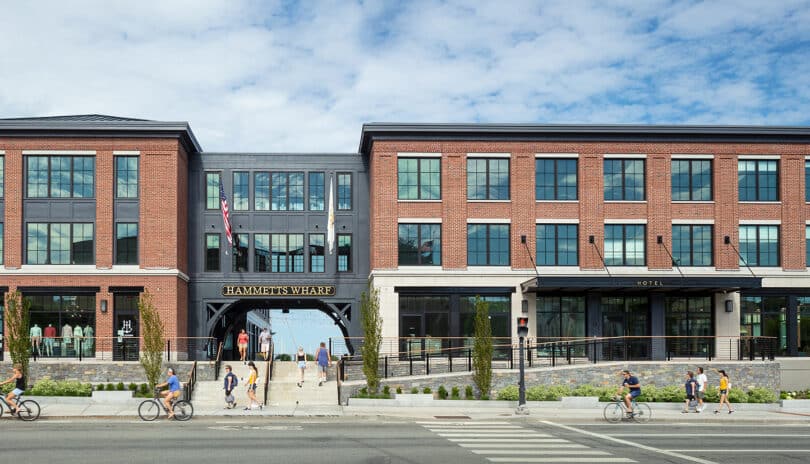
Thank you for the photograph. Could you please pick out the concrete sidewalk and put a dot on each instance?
(60, 407)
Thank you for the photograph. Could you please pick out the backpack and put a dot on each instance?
(235, 380)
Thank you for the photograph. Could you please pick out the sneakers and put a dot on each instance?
(717, 411)
(300, 384)
(320, 384)
(731, 411)
(684, 411)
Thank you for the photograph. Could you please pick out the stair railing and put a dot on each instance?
(218, 362)
(268, 372)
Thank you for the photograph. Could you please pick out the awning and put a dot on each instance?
(604, 284)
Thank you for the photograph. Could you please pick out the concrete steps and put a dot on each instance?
(211, 394)
(284, 390)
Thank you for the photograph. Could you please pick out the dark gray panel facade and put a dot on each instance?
(208, 308)
(58, 210)
(127, 211)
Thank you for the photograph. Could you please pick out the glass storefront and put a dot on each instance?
(499, 311)
(626, 316)
(765, 316)
(689, 324)
(804, 325)
(560, 318)
(60, 324)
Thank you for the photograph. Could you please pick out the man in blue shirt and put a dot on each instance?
(633, 384)
(173, 391)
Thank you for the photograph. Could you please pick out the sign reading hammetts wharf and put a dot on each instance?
(278, 290)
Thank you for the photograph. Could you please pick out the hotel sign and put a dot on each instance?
(278, 290)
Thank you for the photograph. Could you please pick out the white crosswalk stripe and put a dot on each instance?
(510, 443)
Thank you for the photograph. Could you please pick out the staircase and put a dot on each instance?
(284, 390)
(210, 394)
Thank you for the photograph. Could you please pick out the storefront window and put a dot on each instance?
(499, 312)
(765, 317)
(804, 324)
(626, 317)
(63, 322)
(425, 319)
(560, 317)
(689, 324)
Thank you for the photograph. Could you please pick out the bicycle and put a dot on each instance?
(149, 410)
(27, 410)
(615, 411)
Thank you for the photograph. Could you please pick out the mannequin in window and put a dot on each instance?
(67, 336)
(36, 339)
(78, 333)
(50, 334)
(88, 341)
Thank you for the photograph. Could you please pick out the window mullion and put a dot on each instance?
(556, 186)
(691, 197)
(418, 180)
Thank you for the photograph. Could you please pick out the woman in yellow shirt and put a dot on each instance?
(251, 387)
(725, 385)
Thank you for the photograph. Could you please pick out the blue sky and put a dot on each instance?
(286, 76)
(307, 328)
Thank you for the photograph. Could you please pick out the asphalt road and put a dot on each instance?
(375, 440)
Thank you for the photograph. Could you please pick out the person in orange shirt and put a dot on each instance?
(242, 343)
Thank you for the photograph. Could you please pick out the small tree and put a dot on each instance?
(482, 348)
(153, 341)
(372, 336)
(17, 330)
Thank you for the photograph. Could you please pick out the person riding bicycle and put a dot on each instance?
(19, 387)
(172, 393)
(634, 385)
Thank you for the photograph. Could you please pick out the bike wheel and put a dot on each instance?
(149, 410)
(642, 413)
(28, 410)
(613, 412)
(183, 410)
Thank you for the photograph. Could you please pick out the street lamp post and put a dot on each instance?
(522, 330)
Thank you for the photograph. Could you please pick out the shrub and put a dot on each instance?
(133, 386)
(61, 388)
(455, 393)
(761, 395)
(712, 395)
(442, 392)
(427, 390)
(468, 392)
(120, 386)
(363, 392)
(737, 395)
(414, 390)
(144, 389)
(283, 357)
(110, 387)
(509, 393)
(399, 390)
(387, 390)
(100, 387)
(547, 393)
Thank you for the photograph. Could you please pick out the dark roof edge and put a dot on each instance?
(581, 132)
(13, 128)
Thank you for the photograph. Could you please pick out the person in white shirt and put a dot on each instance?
(264, 343)
(702, 382)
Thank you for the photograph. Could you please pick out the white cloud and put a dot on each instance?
(280, 76)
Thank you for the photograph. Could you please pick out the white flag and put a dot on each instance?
(330, 226)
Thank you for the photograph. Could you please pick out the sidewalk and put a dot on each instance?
(53, 407)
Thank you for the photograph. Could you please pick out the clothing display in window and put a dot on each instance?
(50, 334)
(67, 336)
(88, 341)
(77, 339)
(35, 334)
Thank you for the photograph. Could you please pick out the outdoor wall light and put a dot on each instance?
(590, 239)
(659, 239)
(729, 306)
(103, 306)
(524, 306)
(727, 240)
(522, 239)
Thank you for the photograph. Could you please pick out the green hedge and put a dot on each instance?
(649, 394)
(61, 388)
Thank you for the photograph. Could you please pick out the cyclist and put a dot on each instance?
(172, 393)
(634, 385)
(19, 387)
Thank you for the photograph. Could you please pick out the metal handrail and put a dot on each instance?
(269, 371)
(218, 362)
(192, 380)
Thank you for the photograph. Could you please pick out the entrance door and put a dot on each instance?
(410, 327)
(125, 328)
(626, 317)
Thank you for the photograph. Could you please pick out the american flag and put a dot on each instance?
(226, 218)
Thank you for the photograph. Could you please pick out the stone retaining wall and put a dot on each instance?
(107, 371)
(743, 374)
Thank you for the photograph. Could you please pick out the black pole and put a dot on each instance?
(521, 409)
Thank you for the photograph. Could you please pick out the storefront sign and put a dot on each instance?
(278, 290)
(649, 283)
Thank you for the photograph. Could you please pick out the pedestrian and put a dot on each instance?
(242, 343)
(264, 343)
(725, 386)
(324, 361)
(301, 359)
(251, 387)
(691, 389)
(702, 382)
(230, 383)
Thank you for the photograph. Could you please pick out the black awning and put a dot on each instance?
(638, 284)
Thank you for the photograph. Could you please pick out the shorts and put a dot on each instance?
(302, 364)
(243, 345)
(701, 394)
(176, 393)
(17, 392)
(265, 347)
(724, 392)
(690, 397)
(252, 387)
(322, 367)
(635, 393)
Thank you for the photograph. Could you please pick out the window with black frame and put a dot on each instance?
(763, 316)
(488, 245)
(317, 255)
(317, 188)
(555, 179)
(759, 245)
(624, 179)
(625, 244)
(241, 191)
(692, 245)
(241, 250)
(420, 244)
(560, 318)
(487, 178)
(626, 326)
(758, 180)
(55, 243)
(803, 313)
(691, 180)
(212, 252)
(689, 326)
(418, 178)
(126, 243)
(63, 321)
(60, 176)
(499, 308)
(212, 181)
(424, 324)
(557, 244)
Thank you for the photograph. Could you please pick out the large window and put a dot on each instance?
(316, 191)
(212, 253)
(807, 246)
(287, 191)
(488, 245)
(241, 191)
(759, 245)
(424, 323)
(1, 243)
(59, 243)
(241, 250)
(261, 252)
(804, 324)
(317, 256)
(60, 176)
(64, 320)
(691, 180)
(555, 179)
(2, 176)
(624, 179)
(418, 178)
(212, 180)
(487, 178)
(126, 243)
(344, 255)
(764, 316)
(556, 244)
(499, 308)
(261, 191)
(286, 252)
(420, 244)
(806, 181)
(626, 317)
(344, 191)
(126, 177)
(692, 245)
(560, 317)
(625, 244)
(689, 323)
(758, 180)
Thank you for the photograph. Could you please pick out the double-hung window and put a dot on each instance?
(759, 245)
(487, 178)
(625, 244)
(488, 245)
(212, 252)
(692, 245)
(344, 191)
(317, 257)
(420, 244)
(691, 180)
(418, 178)
(212, 180)
(241, 191)
(126, 177)
(556, 244)
(624, 179)
(316, 191)
(758, 180)
(344, 253)
(555, 179)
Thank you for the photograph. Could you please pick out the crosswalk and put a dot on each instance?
(504, 442)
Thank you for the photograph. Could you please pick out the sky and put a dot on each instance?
(282, 76)
(307, 328)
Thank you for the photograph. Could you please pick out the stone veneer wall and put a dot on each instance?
(743, 374)
(105, 372)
